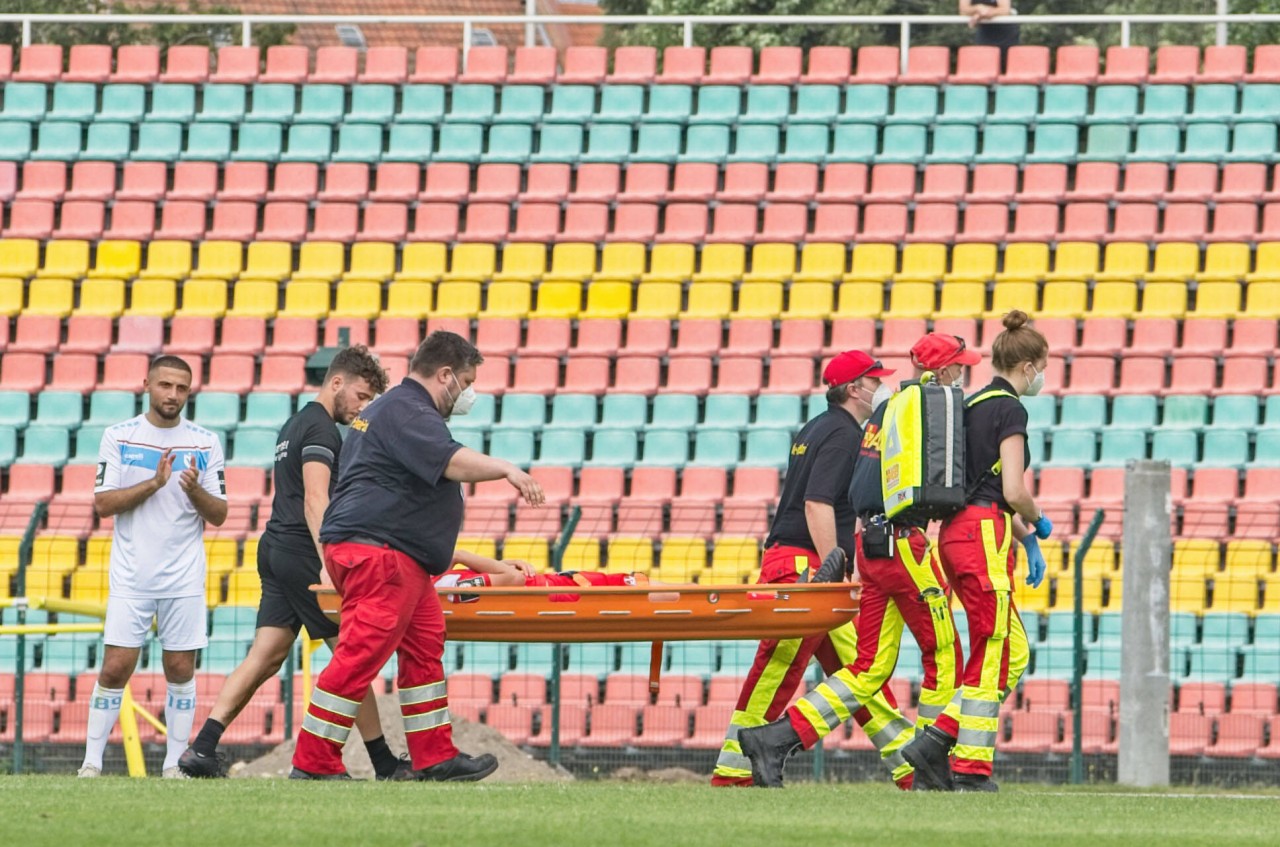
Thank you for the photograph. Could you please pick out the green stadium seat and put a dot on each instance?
(1156, 143)
(1015, 104)
(421, 104)
(73, 101)
(322, 104)
(513, 445)
(109, 407)
(1134, 411)
(1261, 662)
(777, 410)
(1083, 411)
(1074, 447)
(1100, 662)
(1259, 103)
(1185, 411)
(224, 103)
(173, 103)
(665, 448)
(1235, 411)
(1119, 446)
(272, 103)
(309, 143)
(1064, 104)
(768, 448)
(727, 411)
(1207, 142)
(59, 408)
(511, 143)
(1214, 103)
(717, 447)
(563, 143)
(8, 446)
(669, 104)
(523, 411)
(673, 411)
(964, 104)
(481, 417)
(15, 409)
(1178, 447)
(1054, 143)
(46, 445)
(15, 141)
(267, 409)
(108, 142)
(1163, 104)
(218, 410)
(903, 144)
(259, 142)
(1042, 412)
(571, 104)
(614, 448)
(253, 447)
(1036, 444)
(954, 144)
(123, 103)
(1002, 143)
(460, 143)
(816, 405)
(409, 143)
(657, 143)
(562, 448)
(1210, 663)
(818, 104)
(865, 104)
(1225, 448)
(473, 104)
(372, 104)
(719, 104)
(766, 104)
(206, 142)
(626, 411)
(1252, 142)
(520, 104)
(1106, 143)
(88, 442)
(57, 141)
(854, 143)
(621, 104)
(360, 143)
(162, 142)
(753, 143)
(25, 101)
(914, 104)
(1114, 104)
(710, 142)
(695, 658)
(572, 411)
(805, 143)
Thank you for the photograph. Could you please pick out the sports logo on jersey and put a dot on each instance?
(360, 425)
(102, 474)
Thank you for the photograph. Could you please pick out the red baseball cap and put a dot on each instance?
(851, 365)
(938, 349)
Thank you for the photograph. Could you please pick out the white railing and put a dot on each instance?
(687, 23)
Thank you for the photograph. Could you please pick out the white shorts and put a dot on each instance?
(181, 622)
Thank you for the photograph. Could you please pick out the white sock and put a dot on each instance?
(104, 709)
(179, 715)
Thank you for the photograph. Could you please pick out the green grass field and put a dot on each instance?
(116, 811)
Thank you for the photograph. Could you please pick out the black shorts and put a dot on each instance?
(287, 575)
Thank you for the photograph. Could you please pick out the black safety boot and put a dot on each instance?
(930, 754)
(461, 768)
(298, 773)
(833, 567)
(199, 766)
(975, 782)
(768, 747)
(403, 771)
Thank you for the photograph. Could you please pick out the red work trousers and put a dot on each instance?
(389, 605)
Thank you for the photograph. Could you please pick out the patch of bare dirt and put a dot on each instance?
(668, 776)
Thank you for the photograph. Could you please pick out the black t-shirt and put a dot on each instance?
(866, 495)
(308, 436)
(391, 483)
(819, 469)
(987, 425)
(995, 35)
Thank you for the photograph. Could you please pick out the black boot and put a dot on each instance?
(298, 773)
(833, 567)
(930, 754)
(199, 766)
(768, 747)
(975, 782)
(461, 768)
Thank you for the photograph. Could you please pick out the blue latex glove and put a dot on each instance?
(1043, 527)
(1035, 561)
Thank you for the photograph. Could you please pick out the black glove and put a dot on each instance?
(834, 567)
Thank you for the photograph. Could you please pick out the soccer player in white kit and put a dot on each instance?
(161, 477)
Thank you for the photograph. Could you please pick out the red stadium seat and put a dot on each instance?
(1151, 336)
(81, 219)
(1137, 373)
(926, 66)
(244, 182)
(635, 222)
(249, 335)
(1252, 337)
(1266, 64)
(652, 486)
(935, 222)
(1226, 63)
(1041, 183)
(536, 375)
(1134, 222)
(335, 65)
(30, 219)
(1026, 65)
(733, 223)
(793, 182)
(186, 63)
(1256, 698)
(1035, 222)
(584, 65)
(880, 222)
(1193, 182)
(193, 336)
(1176, 64)
(285, 221)
(843, 182)
(730, 65)
(828, 66)
(748, 337)
(237, 65)
(1189, 734)
(1239, 736)
(139, 334)
(435, 222)
(126, 371)
(36, 334)
(984, 223)
(597, 182)
(611, 726)
(784, 222)
(389, 65)
(778, 66)
(447, 182)
(292, 336)
(1184, 222)
(635, 375)
(1239, 222)
(231, 373)
(233, 221)
(1096, 375)
(533, 66)
(697, 338)
(633, 66)
(949, 183)
(39, 63)
(892, 183)
(137, 63)
(693, 376)
(738, 376)
(976, 65)
(46, 181)
(192, 181)
(436, 65)
(877, 65)
(683, 65)
(1202, 698)
(346, 182)
(133, 220)
(1084, 222)
(1143, 181)
(298, 182)
(287, 63)
(1032, 732)
(1242, 182)
(693, 182)
(1126, 66)
(1077, 64)
(644, 337)
(485, 65)
(538, 222)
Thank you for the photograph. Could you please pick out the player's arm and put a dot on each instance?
(1013, 482)
(315, 498)
(469, 465)
(109, 500)
(513, 572)
(828, 481)
(821, 520)
(207, 489)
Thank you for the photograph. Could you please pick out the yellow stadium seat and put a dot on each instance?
(507, 299)
(1064, 299)
(213, 589)
(423, 260)
(50, 296)
(1262, 300)
(1055, 555)
(1195, 558)
(922, 263)
(1011, 294)
(20, 257)
(101, 297)
(860, 298)
(459, 298)
(1028, 599)
(1124, 261)
(1176, 261)
(408, 298)
(117, 259)
(670, 262)
(1100, 560)
(324, 260)
(873, 263)
(271, 260)
(962, 299)
(1266, 262)
(1115, 593)
(1252, 557)
(1074, 260)
(372, 260)
(9, 553)
(486, 547)
(581, 554)
(1219, 298)
(1235, 593)
(47, 583)
(303, 298)
(159, 297)
(657, 300)
(11, 295)
(221, 554)
(1187, 594)
(1024, 261)
(1270, 595)
(97, 552)
(709, 299)
(733, 560)
(572, 261)
(60, 553)
(608, 298)
(1113, 299)
(472, 262)
(771, 262)
(1164, 299)
(622, 260)
(757, 300)
(813, 299)
(721, 262)
(559, 298)
(1064, 592)
(244, 588)
(522, 263)
(682, 560)
(630, 555)
(822, 263)
(911, 299)
(972, 263)
(255, 298)
(358, 298)
(167, 260)
(527, 549)
(65, 259)
(249, 557)
(1225, 260)
(218, 260)
(89, 586)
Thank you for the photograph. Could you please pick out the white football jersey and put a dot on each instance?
(158, 548)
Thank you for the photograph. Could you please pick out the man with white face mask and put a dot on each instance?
(391, 526)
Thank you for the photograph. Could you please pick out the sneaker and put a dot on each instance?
(174, 772)
(975, 782)
(298, 773)
(461, 768)
(200, 766)
(89, 772)
(929, 754)
(403, 771)
(768, 747)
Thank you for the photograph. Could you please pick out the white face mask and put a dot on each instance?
(881, 395)
(1036, 384)
(465, 401)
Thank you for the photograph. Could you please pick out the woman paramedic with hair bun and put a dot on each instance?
(978, 557)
